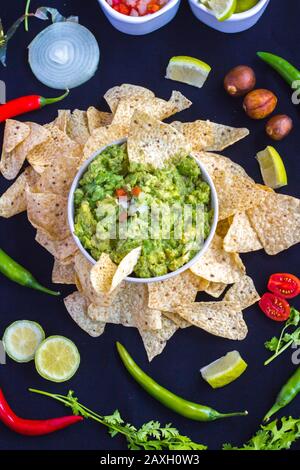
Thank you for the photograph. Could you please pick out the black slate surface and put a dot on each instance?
(102, 383)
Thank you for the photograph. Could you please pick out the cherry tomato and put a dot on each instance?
(285, 285)
(136, 191)
(275, 307)
(121, 192)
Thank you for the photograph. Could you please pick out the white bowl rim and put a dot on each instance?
(236, 16)
(139, 280)
(137, 19)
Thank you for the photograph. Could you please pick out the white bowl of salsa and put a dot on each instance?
(213, 205)
(236, 23)
(140, 25)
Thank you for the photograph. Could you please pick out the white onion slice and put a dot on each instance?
(64, 55)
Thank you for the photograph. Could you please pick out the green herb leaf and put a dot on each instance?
(272, 344)
(277, 435)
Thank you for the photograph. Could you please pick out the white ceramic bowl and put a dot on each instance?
(214, 205)
(237, 23)
(142, 24)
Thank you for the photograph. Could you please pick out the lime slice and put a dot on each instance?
(21, 340)
(272, 168)
(245, 5)
(57, 359)
(225, 370)
(223, 9)
(188, 70)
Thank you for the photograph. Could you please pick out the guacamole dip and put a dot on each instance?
(113, 194)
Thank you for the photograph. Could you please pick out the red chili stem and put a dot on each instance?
(33, 427)
(26, 104)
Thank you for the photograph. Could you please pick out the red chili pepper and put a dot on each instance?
(25, 104)
(33, 427)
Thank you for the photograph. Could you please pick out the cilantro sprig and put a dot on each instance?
(278, 435)
(286, 339)
(150, 436)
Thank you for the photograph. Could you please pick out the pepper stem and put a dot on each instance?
(46, 101)
(230, 415)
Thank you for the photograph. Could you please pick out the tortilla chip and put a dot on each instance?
(12, 162)
(180, 322)
(62, 119)
(117, 93)
(103, 136)
(126, 267)
(216, 265)
(14, 133)
(58, 145)
(60, 249)
(277, 222)
(236, 193)
(63, 273)
(58, 175)
(97, 118)
(102, 274)
(155, 107)
(156, 341)
(48, 212)
(83, 269)
(77, 127)
(129, 308)
(223, 227)
(223, 319)
(241, 237)
(177, 290)
(215, 289)
(13, 201)
(207, 135)
(153, 142)
(213, 161)
(243, 293)
(77, 307)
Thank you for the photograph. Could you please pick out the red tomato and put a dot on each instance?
(285, 285)
(121, 192)
(275, 307)
(136, 191)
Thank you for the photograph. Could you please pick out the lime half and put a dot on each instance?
(272, 168)
(21, 340)
(188, 70)
(223, 9)
(225, 370)
(57, 359)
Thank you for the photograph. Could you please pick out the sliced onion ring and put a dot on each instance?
(64, 55)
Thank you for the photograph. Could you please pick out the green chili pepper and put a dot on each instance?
(287, 394)
(15, 272)
(181, 406)
(290, 73)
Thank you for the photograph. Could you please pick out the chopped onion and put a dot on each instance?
(64, 55)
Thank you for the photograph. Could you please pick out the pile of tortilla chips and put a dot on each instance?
(252, 216)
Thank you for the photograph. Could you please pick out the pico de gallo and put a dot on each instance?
(137, 7)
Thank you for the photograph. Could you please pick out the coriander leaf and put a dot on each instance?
(272, 344)
(277, 435)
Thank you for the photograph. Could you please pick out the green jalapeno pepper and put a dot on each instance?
(287, 71)
(181, 406)
(287, 394)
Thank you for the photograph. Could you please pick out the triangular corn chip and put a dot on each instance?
(117, 93)
(241, 237)
(76, 305)
(243, 293)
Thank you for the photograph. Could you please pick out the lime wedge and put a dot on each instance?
(21, 340)
(57, 359)
(225, 370)
(245, 5)
(223, 9)
(188, 70)
(272, 168)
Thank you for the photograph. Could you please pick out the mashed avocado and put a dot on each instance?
(112, 211)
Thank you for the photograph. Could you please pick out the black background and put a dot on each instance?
(102, 383)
